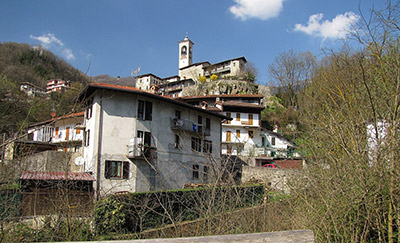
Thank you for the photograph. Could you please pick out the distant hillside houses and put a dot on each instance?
(189, 73)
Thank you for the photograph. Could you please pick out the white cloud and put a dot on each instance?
(68, 54)
(47, 40)
(262, 9)
(50, 41)
(338, 28)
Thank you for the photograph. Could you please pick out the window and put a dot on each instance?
(207, 146)
(176, 144)
(145, 137)
(178, 114)
(148, 110)
(238, 116)
(117, 169)
(196, 144)
(205, 173)
(238, 133)
(145, 110)
(86, 138)
(208, 123)
(77, 130)
(263, 141)
(251, 135)
(228, 114)
(140, 110)
(183, 50)
(195, 172)
(250, 119)
(273, 140)
(57, 130)
(228, 136)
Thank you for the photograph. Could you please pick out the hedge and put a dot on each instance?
(136, 212)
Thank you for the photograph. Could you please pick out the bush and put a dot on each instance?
(136, 212)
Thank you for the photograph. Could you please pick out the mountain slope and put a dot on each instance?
(24, 63)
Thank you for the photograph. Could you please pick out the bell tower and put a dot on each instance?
(185, 52)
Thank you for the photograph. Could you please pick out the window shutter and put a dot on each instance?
(126, 170)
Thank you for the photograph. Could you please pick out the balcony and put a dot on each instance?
(189, 126)
(137, 150)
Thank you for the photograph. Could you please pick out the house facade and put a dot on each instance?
(138, 141)
(243, 135)
(57, 85)
(65, 132)
(145, 81)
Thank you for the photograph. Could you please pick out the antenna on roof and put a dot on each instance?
(135, 72)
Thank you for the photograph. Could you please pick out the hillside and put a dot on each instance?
(24, 63)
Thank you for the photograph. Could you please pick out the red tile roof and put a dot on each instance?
(49, 175)
(93, 86)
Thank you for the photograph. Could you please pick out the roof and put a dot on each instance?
(196, 64)
(199, 63)
(128, 81)
(91, 88)
(278, 135)
(72, 115)
(177, 82)
(242, 104)
(148, 74)
(222, 96)
(49, 175)
(170, 77)
(233, 59)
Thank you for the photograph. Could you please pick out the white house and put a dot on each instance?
(65, 132)
(139, 141)
(243, 135)
(145, 81)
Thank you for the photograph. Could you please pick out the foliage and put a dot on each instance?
(17, 110)
(53, 229)
(214, 77)
(139, 211)
(202, 79)
(24, 63)
(291, 71)
(351, 190)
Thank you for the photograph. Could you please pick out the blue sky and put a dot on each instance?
(115, 37)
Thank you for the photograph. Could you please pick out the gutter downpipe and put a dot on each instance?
(99, 143)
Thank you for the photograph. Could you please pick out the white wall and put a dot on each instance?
(120, 125)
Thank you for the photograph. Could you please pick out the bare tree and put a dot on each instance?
(291, 71)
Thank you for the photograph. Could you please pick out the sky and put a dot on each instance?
(116, 37)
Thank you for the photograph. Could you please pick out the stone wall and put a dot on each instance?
(276, 178)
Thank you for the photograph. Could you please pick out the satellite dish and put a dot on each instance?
(79, 161)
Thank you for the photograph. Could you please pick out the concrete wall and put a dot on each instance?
(276, 178)
(52, 161)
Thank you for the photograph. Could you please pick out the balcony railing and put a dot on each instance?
(189, 126)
